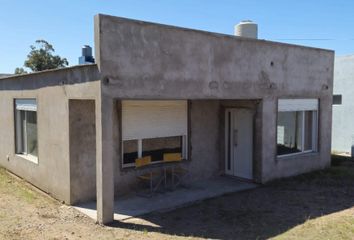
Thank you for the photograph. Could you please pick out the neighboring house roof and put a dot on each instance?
(3, 75)
(30, 74)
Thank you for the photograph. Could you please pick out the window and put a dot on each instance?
(297, 126)
(157, 147)
(153, 128)
(130, 151)
(26, 127)
(337, 99)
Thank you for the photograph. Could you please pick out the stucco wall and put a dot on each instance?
(82, 132)
(145, 60)
(140, 60)
(343, 115)
(52, 89)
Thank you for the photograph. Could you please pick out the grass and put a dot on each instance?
(16, 187)
(338, 225)
(338, 160)
(317, 205)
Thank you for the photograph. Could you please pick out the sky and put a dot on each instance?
(68, 24)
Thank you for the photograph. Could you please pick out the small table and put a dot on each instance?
(164, 165)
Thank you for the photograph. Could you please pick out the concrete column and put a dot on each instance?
(105, 161)
(269, 118)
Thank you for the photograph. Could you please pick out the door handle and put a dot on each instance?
(235, 137)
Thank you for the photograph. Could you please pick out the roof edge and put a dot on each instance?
(100, 15)
(48, 71)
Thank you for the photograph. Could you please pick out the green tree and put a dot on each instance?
(20, 70)
(41, 57)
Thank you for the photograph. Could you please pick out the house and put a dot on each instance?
(3, 75)
(343, 103)
(249, 108)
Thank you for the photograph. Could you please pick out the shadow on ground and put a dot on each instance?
(260, 213)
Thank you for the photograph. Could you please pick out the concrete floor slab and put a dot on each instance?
(133, 206)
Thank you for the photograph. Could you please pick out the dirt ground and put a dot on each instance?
(318, 205)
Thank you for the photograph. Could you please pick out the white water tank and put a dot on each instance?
(246, 28)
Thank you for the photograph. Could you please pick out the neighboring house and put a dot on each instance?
(243, 107)
(343, 105)
(3, 75)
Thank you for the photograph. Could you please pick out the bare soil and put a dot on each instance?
(318, 205)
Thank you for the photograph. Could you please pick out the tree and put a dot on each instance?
(41, 57)
(20, 70)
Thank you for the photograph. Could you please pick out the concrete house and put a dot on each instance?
(343, 105)
(243, 107)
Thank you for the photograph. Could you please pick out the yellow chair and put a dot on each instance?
(175, 171)
(172, 157)
(143, 161)
(154, 178)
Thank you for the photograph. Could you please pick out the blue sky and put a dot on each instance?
(68, 24)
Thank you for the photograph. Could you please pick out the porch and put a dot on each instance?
(133, 206)
(204, 140)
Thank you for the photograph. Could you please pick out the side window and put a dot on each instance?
(337, 99)
(26, 128)
(297, 126)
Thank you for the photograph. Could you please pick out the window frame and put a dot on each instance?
(140, 150)
(186, 144)
(19, 125)
(314, 128)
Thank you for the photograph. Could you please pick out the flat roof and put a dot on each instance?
(14, 76)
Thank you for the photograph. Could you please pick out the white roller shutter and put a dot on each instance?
(26, 104)
(289, 105)
(153, 118)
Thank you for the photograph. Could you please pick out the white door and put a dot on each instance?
(239, 142)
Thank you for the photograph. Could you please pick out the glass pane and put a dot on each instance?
(156, 147)
(308, 130)
(130, 151)
(299, 130)
(229, 141)
(19, 129)
(31, 133)
(289, 128)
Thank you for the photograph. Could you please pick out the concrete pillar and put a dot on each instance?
(269, 118)
(105, 161)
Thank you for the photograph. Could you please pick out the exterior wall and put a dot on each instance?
(343, 115)
(140, 60)
(82, 144)
(52, 89)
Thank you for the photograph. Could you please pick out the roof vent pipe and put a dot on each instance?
(246, 28)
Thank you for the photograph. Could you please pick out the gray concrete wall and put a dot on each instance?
(145, 60)
(52, 89)
(82, 144)
(140, 60)
(343, 115)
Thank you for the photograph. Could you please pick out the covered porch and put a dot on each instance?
(207, 133)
